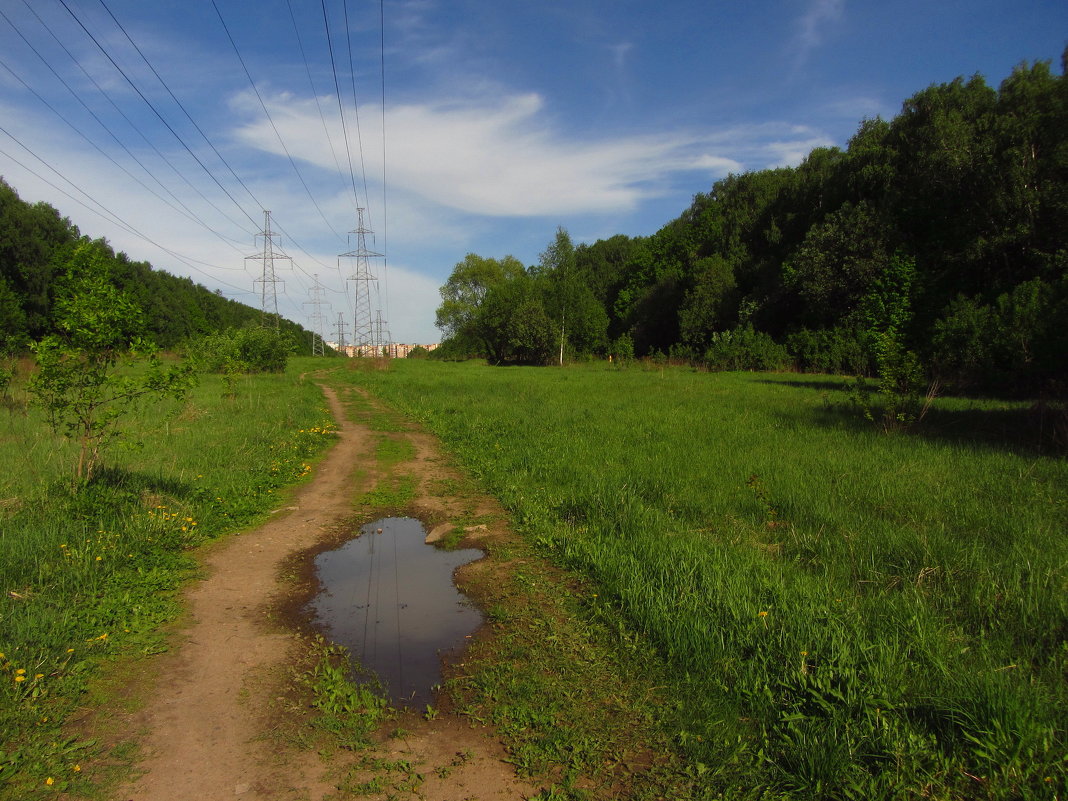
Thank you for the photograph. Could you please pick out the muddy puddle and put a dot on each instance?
(390, 599)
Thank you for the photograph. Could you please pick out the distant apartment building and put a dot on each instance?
(398, 350)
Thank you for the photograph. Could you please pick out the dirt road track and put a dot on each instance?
(205, 723)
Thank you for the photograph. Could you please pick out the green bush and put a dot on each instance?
(828, 350)
(242, 350)
(745, 348)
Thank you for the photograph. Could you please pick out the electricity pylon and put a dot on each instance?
(317, 319)
(339, 331)
(268, 292)
(363, 325)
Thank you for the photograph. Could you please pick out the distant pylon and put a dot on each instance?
(268, 292)
(363, 325)
(317, 319)
(382, 338)
(339, 331)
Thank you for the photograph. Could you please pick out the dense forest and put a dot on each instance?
(36, 242)
(938, 235)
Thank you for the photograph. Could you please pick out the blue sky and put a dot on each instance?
(502, 120)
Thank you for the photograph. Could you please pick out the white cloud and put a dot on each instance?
(812, 26)
(412, 299)
(503, 157)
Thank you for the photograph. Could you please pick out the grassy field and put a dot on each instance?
(88, 579)
(846, 613)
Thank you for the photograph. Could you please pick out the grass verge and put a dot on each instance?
(88, 579)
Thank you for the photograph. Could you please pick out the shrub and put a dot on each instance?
(828, 350)
(242, 350)
(745, 348)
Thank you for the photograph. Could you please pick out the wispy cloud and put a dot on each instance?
(811, 28)
(503, 156)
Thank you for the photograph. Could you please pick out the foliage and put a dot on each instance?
(513, 326)
(253, 349)
(33, 239)
(836, 350)
(968, 181)
(418, 352)
(885, 313)
(78, 382)
(466, 289)
(744, 349)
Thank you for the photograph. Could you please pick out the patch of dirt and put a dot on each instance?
(208, 730)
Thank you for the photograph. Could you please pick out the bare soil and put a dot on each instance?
(221, 706)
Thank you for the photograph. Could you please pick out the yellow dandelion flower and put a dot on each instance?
(762, 614)
(20, 678)
(50, 781)
(20, 671)
(38, 675)
(77, 768)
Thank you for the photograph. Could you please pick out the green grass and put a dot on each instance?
(847, 614)
(89, 578)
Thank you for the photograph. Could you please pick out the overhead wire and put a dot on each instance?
(185, 211)
(315, 93)
(340, 103)
(179, 103)
(97, 39)
(107, 96)
(385, 216)
(84, 136)
(155, 110)
(270, 119)
(103, 211)
(356, 109)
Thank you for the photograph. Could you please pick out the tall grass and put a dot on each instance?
(92, 575)
(848, 614)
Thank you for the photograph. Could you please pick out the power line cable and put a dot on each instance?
(185, 211)
(103, 210)
(156, 111)
(179, 103)
(90, 142)
(340, 104)
(356, 107)
(270, 119)
(107, 96)
(385, 216)
(315, 94)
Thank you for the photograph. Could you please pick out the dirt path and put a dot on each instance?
(205, 727)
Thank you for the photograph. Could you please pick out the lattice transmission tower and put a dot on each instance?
(317, 319)
(366, 337)
(269, 279)
(340, 329)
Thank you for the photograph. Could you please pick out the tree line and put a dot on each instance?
(931, 246)
(37, 246)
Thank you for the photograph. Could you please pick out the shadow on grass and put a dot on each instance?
(114, 488)
(1037, 429)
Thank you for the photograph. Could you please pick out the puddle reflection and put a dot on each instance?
(389, 598)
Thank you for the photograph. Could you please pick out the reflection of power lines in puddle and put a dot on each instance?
(423, 610)
(369, 649)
